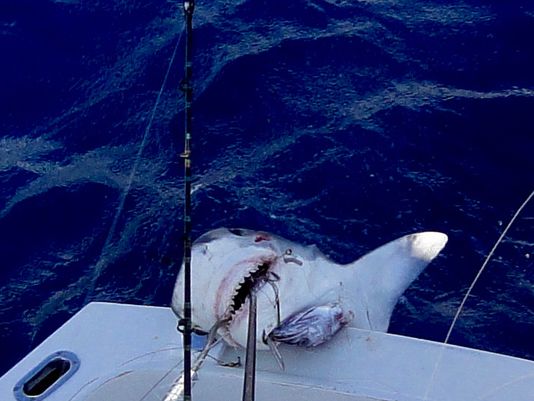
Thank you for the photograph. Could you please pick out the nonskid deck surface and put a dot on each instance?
(129, 352)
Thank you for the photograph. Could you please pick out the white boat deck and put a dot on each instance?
(134, 353)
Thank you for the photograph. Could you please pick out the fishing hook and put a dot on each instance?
(289, 258)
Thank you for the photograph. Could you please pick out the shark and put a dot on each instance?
(303, 297)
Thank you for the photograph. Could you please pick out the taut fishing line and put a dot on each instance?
(470, 289)
(100, 265)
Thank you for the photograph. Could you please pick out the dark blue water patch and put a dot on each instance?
(416, 311)
(463, 134)
(45, 39)
(515, 58)
(11, 180)
(50, 221)
(509, 146)
(506, 269)
(214, 207)
(279, 72)
(106, 122)
(54, 51)
(485, 53)
(140, 277)
(299, 12)
(265, 94)
(14, 332)
(497, 329)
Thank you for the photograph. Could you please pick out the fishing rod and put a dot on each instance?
(185, 323)
(189, 8)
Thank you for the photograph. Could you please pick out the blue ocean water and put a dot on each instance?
(340, 123)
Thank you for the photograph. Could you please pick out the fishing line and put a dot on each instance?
(177, 388)
(102, 259)
(468, 293)
(470, 289)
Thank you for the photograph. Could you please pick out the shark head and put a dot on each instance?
(227, 265)
(302, 296)
(224, 263)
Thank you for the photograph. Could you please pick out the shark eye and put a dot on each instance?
(237, 231)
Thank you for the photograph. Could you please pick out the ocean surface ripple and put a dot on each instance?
(340, 123)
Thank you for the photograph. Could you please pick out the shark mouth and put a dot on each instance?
(255, 279)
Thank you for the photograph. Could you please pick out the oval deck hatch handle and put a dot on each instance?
(47, 376)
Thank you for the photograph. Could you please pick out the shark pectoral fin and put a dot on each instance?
(381, 276)
(311, 327)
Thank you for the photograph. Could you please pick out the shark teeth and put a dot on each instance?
(254, 278)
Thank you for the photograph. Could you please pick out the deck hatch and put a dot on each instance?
(47, 376)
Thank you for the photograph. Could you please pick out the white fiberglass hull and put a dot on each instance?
(133, 353)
